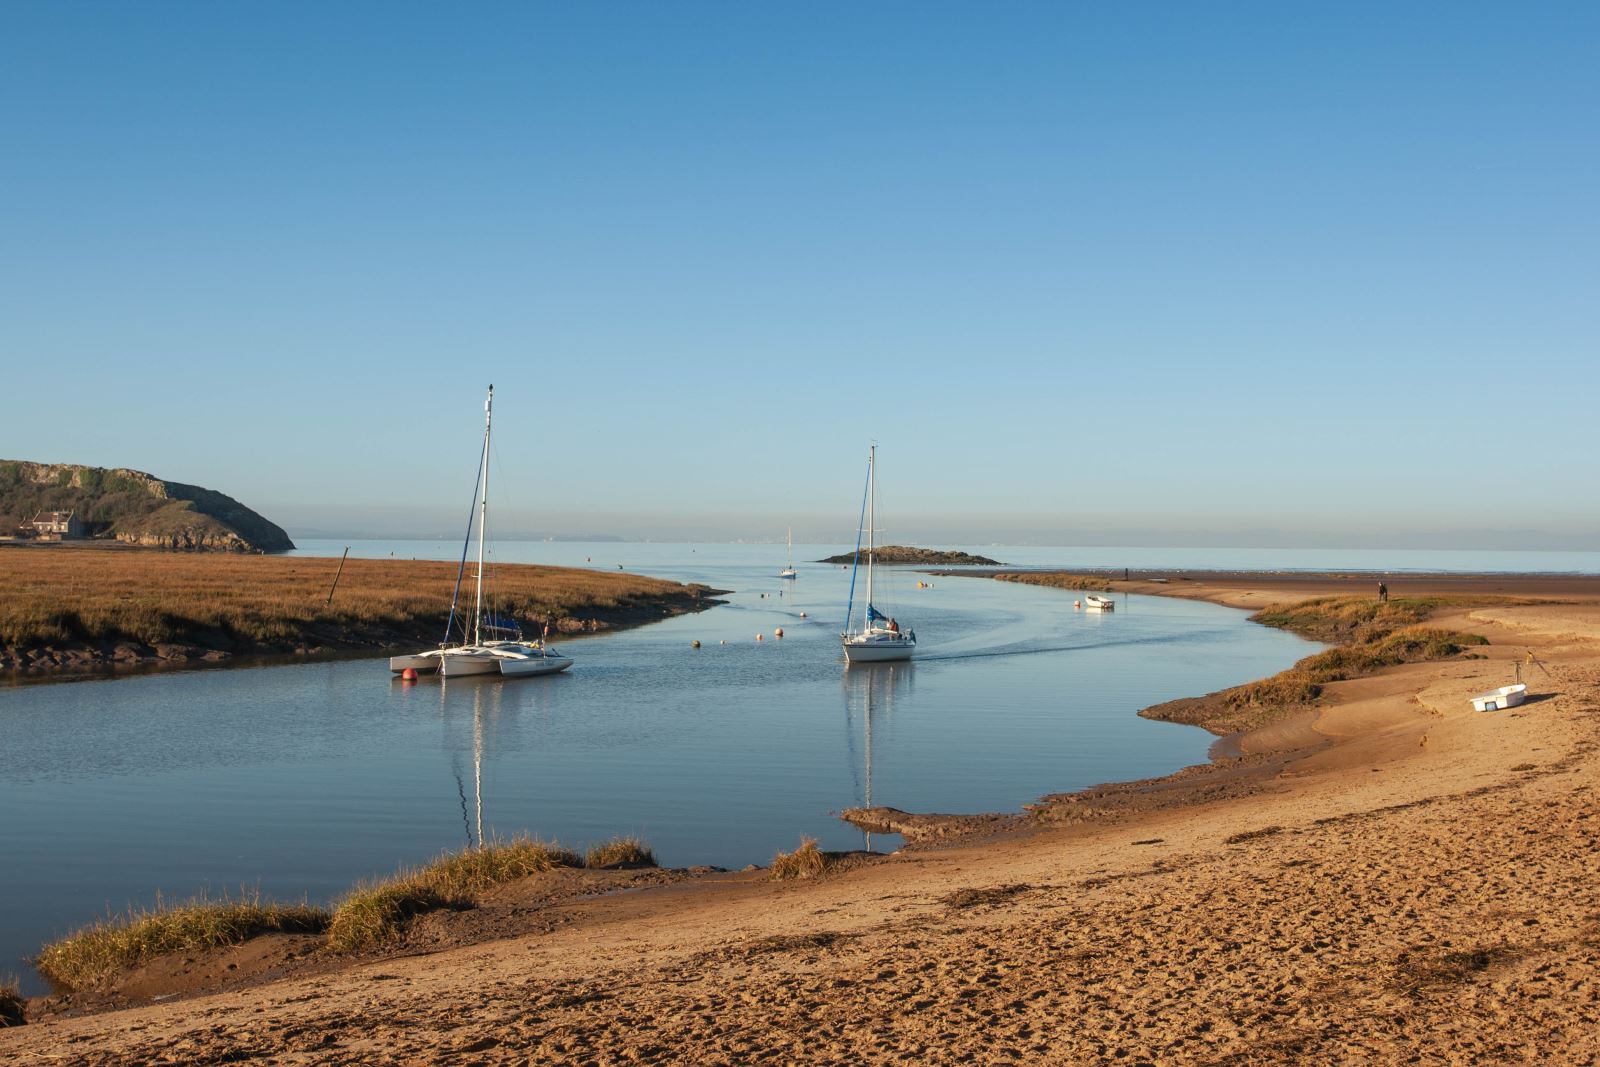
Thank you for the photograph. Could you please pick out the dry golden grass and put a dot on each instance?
(619, 852)
(118, 944)
(1346, 620)
(807, 861)
(1089, 583)
(376, 913)
(13, 1009)
(60, 595)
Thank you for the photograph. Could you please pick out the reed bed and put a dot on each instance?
(376, 913)
(78, 594)
(120, 943)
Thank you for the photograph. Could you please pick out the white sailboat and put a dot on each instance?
(880, 638)
(490, 645)
(789, 572)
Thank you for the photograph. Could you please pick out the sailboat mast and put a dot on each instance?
(483, 516)
(872, 492)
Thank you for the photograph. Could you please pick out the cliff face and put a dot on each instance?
(136, 507)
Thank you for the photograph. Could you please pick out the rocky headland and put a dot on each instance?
(132, 507)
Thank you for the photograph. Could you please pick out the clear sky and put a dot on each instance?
(1080, 268)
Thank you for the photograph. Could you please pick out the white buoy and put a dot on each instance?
(778, 632)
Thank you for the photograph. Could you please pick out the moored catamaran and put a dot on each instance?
(489, 643)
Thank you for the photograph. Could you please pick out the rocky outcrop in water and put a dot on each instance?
(925, 556)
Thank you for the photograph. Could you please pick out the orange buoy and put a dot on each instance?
(1076, 604)
(408, 675)
(760, 638)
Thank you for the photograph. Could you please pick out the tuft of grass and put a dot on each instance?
(13, 1009)
(376, 913)
(121, 943)
(807, 861)
(619, 852)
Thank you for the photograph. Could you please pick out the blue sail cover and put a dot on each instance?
(873, 614)
(492, 622)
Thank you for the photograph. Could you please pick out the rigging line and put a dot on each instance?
(472, 514)
(855, 563)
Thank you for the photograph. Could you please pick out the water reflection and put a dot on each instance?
(870, 691)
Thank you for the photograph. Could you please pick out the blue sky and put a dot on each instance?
(1330, 271)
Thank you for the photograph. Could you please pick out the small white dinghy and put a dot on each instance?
(1091, 602)
(1507, 696)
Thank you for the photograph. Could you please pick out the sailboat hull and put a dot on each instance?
(523, 668)
(876, 648)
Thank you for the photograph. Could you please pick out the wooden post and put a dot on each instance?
(336, 574)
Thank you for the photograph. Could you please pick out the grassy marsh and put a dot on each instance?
(1371, 636)
(120, 943)
(93, 596)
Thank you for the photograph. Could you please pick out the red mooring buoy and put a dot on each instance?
(408, 675)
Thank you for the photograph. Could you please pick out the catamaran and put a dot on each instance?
(490, 644)
(880, 638)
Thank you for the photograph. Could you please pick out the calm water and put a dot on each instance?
(304, 779)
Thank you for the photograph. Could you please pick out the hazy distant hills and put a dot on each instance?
(131, 506)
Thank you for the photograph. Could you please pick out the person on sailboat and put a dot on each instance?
(894, 627)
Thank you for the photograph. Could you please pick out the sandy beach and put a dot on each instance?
(1389, 877)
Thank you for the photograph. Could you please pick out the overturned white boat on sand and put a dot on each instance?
(1507, 696)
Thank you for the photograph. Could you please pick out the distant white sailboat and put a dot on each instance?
(491, 645)
(788, 572)
(880, 638)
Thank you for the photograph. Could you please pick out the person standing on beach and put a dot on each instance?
(1383, 593)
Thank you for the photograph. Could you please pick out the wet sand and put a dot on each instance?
(1389, 877)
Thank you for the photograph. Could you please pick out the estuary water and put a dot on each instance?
(301, 780)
